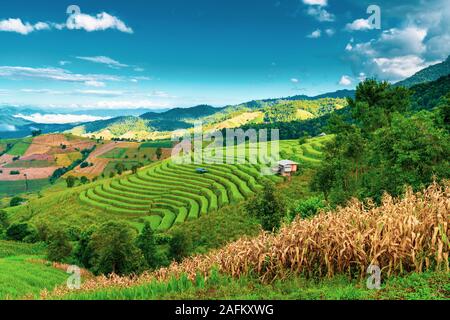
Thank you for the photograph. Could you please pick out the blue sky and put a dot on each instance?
(159, 53)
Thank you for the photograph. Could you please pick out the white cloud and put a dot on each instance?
(400, 67)
(322, 3)
(63, 63)
(100, 22)
(358, 25)
(320, 14)
(59, 118)
(95, 84)
(56, 74)
(7, 127)
(41, 91)
(362, 76)
(396, 54)
(16, 25)
(104, 60)
(330, 32)
(315, 34)
(160, 94)
(130, 104)
(345, 81)
(104, 93)
(295, 80)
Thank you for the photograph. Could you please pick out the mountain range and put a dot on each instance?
(122, 121)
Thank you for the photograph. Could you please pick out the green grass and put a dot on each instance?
(11, 248)
(116, 153)
(19, 277)
(158, 144)
(21, 274)
(433, 286)
(20, 147)
(12, 188)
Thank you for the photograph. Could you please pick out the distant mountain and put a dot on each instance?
(182, 113)
(431, 73)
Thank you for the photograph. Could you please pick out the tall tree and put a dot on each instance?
(268, 208)
(147, 244)
(114, 250)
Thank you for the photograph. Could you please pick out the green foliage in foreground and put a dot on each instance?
(384, 149)
(19, 277)
(428, 286)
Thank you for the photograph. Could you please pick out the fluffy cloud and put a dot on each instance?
(330, 32)
(315, 34)
(16, 25)
(399, 67)
(295, 80)
(396, 54)
(358, 25)
(59, 118)
(316, 2)
(104, 60)
(345, 81)
(100, 22)
(423, 39)
(320, 14)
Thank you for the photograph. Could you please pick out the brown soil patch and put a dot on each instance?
(32, 173)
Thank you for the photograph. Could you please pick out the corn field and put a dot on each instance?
(410, 234)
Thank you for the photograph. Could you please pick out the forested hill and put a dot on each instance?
(425, 96)
(429, 94)
(431, 73)
(182, 113)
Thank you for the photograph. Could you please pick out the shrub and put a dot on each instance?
(70, 181)
(114, 250)
(14, 172)
(16, 201)
(20, 232)
(4, 223)
(59, 247)
(307, 208)
(84, 165)
(268, 208)
(84, 180)
(180, 246)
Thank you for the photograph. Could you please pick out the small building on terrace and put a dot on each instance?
(286, 168)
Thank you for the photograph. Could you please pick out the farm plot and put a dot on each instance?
(98, 161)
(170, 193)
(66, 159)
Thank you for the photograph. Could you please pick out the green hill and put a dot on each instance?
(431, 73)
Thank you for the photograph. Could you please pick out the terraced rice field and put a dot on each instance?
(166, 193)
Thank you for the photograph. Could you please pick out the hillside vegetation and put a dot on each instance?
(400, 236)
